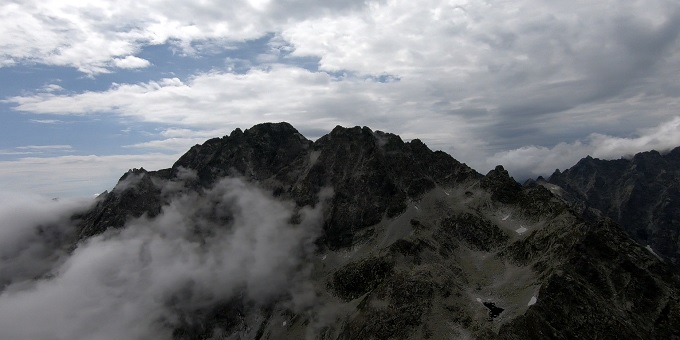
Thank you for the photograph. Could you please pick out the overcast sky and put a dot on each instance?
(92, 88)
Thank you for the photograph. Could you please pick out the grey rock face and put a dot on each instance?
(641, 194)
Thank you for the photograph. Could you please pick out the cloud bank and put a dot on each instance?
(142, 281)
(533, 161)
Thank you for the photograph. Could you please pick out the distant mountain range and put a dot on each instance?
(641, 194)
(409, 244)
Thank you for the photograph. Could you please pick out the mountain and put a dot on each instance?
(642, 194)
(360, 235)
(372, 174)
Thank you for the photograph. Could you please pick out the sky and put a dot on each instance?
(90, 89)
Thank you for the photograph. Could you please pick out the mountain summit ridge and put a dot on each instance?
(278, 157)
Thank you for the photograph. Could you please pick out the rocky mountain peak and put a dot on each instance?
(372, 173)
(135, 194)
(132, 172)
(502, 186)
(260, 152)
(674, 154)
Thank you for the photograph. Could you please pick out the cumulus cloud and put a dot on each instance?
(93, 36)
(131, 62)
(532, 161)
(451, 57)
(309, 100)
(142, 281)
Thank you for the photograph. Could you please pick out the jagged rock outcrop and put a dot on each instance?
(263, 152)
(417, 245)
(503, 188)
(134, 195)
(642, 194)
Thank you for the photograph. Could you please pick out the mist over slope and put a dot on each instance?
(142, 280)
(35, 233)
(263, 234)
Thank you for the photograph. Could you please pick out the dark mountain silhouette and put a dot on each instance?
(417, 245)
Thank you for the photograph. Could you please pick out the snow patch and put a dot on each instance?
(478, 300)
(532, 301)
(506, 217)
(521, 230)
(284, 323)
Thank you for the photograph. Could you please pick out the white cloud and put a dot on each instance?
(131, 62)
(92, 36)
(45, 147)
(318, 100)
(52, 88)
(46, 121)
(309, 100)
(661, 138)
(36, 149)
(8, 152)
(69, 176)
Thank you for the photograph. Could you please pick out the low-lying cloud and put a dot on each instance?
(532, 161)
(139, 282)
(34, 232)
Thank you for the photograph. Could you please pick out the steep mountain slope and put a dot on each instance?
(642, 194)
(414, 245)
